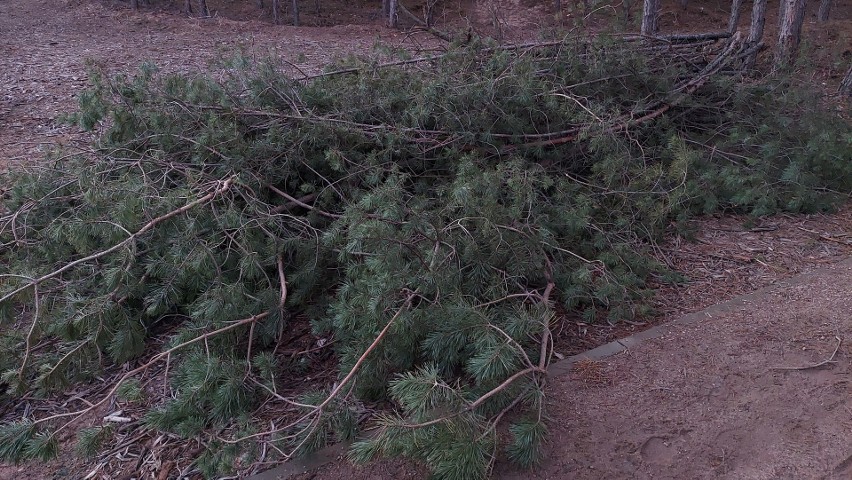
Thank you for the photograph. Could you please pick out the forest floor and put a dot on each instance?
(706, 402)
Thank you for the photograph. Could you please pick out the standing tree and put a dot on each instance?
(755, 31)
(295, 13)
(790, 32)
(650, 17)
(824, 10)
(846, 84)
(202, 6)
(276, 9)
(393, 20)
(736, 6)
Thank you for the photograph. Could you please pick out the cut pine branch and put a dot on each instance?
(221, 187)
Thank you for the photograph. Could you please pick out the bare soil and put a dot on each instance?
(704, 403)
(736, 396)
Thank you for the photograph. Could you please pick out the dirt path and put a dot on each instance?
(724, 397)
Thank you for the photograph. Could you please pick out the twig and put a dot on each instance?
(316, 409)
(302, 204)
(815, 365)
(223, 186)
(479, 401)
(144, 367)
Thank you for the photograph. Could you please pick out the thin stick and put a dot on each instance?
(302, 204)
(331, 396)
(144, 367)
(816, 365)
(225, 185)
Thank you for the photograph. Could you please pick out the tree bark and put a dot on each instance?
(276, 12)
(755, 31)
(295, 13)
(134, 4)
(628, 7)
(650, 17)
(846, 84)
(187, 6)
(205, 12)
(734, 19)
(393, 20)
(824, 10)
(758, 21)
(790, 32)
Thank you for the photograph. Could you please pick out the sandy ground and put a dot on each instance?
(729, 396)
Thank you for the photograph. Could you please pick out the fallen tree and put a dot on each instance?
(432, 219)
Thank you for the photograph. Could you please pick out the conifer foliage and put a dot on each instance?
(434, 218)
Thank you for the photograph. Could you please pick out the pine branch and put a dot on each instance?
(221, 187)
(156, 358)
(316, 410)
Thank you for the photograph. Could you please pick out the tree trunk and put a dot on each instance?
(734, 19)
(205, 12)
(429, 12)
(276, 12)
(650, 17)
(259, 4)
(824, 10)
(134, 4)
(755, 31)
(187, 6)
(846, 84)
(628, 7)
(295, 13)
(790, 32)
(758, 20)
(393, 21)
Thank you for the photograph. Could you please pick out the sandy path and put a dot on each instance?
(715, 399)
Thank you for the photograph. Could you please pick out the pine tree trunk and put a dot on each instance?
(392, 16)
(790, 32)
(846, 84)
(734, 19)
(628, 7)
(650, 17)
(758, 21)
(205, 12)
(187, 6)
(295, 13)
(824, 10)
(755, 31)
(276, 12)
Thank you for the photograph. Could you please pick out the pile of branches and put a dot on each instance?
(432, 220)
